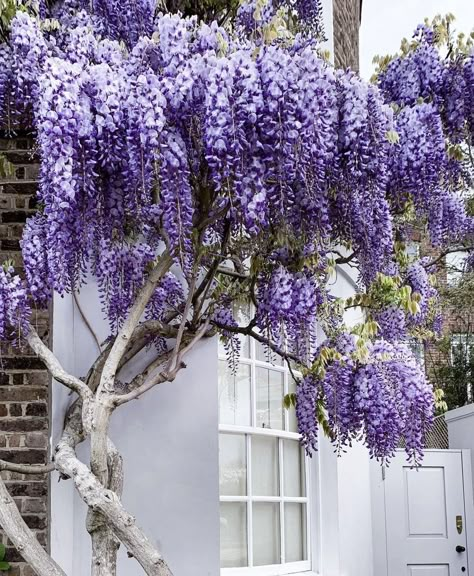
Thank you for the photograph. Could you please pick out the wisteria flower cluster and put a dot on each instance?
(14, 306)
(381, 401)
(240, 145)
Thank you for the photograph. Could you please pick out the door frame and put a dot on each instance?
(379, 528)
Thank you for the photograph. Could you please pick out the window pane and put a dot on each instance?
(266, 533)
(269, 398)
(265, 466)
(264, 354)
(295, 532)
(293, 462)
(292, 421)
(234, 394)
(232, 465)
(233, 520)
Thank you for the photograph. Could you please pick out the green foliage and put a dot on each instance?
(456, 379)
(4, 565)
(207, 10)
(289, 402)
(6, 168)
(8, 9)
(441, 405)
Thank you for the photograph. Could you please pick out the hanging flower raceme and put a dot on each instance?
(468, 71)
(419, 280)
(29, 51)
(121, 270)
(394, 400)
(417, 75)
(14, 307)
(5, 79)
(363, 173)
(288, 308)
(382, 401)
(392, 323)
(35, 259)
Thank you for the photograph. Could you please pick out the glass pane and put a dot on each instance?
(234, 394)
(269, 399)
(292, 421)
(265, 466)
(233, 519)
(293, 462)
(232, 465)
(266, 533)
(264, 354)
(295, 532)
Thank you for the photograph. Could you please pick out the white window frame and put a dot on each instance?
(249, 431)
(455, 263)
(418, 349)
(461, 339)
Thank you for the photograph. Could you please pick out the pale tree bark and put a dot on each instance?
(105, 544)
(23, 538)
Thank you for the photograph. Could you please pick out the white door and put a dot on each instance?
(425, 516)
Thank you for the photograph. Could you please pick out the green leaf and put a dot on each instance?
(289, 400)
(4, 566)
(393, 137)
(6, 168)
(2, 552)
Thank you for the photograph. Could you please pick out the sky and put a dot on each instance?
(386, 22)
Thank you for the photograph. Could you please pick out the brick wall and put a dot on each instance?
(346, 21)
(24, 384)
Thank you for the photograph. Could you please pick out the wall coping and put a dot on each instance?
(459, 413)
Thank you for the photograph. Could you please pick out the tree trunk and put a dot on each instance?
(23, 538)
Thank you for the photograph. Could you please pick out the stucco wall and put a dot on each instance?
(169, 443)
(461, 429)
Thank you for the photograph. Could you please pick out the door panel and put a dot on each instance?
(426, 502)
(421, 509)
(426, 570)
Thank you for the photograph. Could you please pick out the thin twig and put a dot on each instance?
(86, 321)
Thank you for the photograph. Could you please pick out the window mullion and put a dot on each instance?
(249, 505)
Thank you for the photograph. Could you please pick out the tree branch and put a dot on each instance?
(102, 404)
(54, 367)
(443, 255)
(23, 538)
(247, 330)
(27, 468)
(107, 503)
(125, 333)
(86, 321)
(173, 361)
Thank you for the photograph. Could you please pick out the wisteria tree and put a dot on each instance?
(197, 155)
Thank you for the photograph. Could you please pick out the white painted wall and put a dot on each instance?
(461, 429)
(169, 442)
(353, 478)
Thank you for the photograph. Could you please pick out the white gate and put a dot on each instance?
(423, 518)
